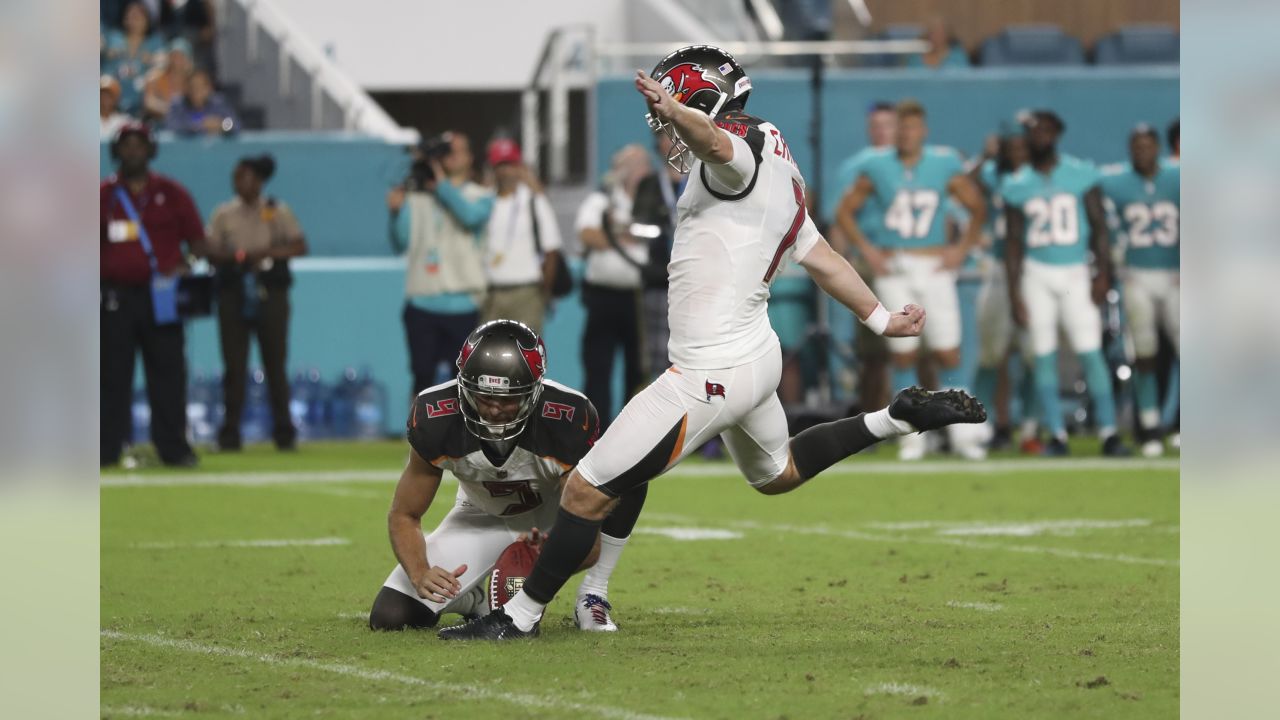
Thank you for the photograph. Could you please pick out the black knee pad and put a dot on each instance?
(393, 610)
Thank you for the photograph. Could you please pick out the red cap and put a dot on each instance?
(503, 150)
(135, 127)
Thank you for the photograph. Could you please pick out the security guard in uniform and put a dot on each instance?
(251, 239)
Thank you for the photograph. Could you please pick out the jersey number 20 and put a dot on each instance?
(1055, 221)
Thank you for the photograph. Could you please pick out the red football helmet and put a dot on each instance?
(702, 77)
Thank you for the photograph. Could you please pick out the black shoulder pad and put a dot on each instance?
(564, 426)
(435, 429)
(746, 127)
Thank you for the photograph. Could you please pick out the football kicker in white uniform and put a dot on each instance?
(741, 216)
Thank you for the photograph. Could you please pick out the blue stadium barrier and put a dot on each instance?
(1138, 45)
(1031, 45)
(348, 296)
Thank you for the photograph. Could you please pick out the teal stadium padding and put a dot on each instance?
(1138, 45)
(348, 294)
(1031, 45)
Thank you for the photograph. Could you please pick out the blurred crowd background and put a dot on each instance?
(550, 171)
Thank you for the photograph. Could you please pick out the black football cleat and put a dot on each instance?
(1001, 439)
(1056, 447)
(926, 410)
(1114, 447)
(497, 625)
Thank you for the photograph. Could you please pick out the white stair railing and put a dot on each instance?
(360, 112)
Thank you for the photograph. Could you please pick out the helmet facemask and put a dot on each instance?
(501, 360)
(679, 157)
(470, 394)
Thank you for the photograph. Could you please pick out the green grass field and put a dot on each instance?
(1013, 588)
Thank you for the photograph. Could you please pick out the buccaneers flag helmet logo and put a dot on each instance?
(684, 81)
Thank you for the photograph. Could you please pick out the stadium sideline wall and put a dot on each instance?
(347, 297)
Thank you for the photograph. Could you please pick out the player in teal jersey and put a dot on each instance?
(1173, 134)
(872, 352)
(1146, 195)
(911, 258)
(1049, 206)
(995, 319)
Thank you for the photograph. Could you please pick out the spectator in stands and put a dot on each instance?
(611, 288)
(196, 24)
(109, 115)
(522, 241)
(943, 51)
(655, 207)
(439, 218)
(137, 257)
(201, 110)
(167, 83)
(129, 53)
(251, 238)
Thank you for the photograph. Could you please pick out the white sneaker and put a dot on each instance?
(591, 612)
(1152, 449)
(912, 447)
(1175, 441)
(968, 441)
(473, 603)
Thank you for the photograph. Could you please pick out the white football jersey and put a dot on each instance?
(730, 246)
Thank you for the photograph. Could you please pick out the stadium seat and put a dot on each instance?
(1138, 45)
(1031, 45)
(899, 31)
(253, 117)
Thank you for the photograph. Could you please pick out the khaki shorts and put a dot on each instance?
(522, 303)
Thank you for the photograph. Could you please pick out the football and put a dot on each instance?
(513, 566)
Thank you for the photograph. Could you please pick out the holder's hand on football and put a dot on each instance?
(660, 101)
(438, 584)
(534, 537)
(907, 323)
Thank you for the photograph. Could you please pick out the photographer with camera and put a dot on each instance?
(523, 242)
(613, 280)
(438, 219)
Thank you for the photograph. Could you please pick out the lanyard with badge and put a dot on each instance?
(164, 290)
(512, 218)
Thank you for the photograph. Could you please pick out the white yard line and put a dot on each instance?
(462, 691)
(380, 495)
(390, 475)
(363, 616)
(265, 543)
(135, 711)
(1014, 529)
(920, 539)
(680, 611)
(690, 533)
(968, 467)
(893, 688)
(250, 478)
(983, 606)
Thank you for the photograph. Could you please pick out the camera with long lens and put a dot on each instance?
(435, 148)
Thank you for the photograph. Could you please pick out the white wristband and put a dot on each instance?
(878, 320)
